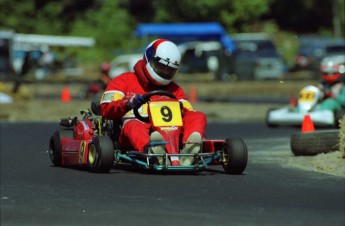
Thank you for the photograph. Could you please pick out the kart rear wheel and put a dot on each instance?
(313, 143)
(101, 154)
(55, 147)
(235, 156)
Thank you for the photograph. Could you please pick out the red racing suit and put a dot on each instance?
(136, 134)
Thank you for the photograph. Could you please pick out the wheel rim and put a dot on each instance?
(92, 154)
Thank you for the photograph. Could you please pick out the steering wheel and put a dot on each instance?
(147, 97)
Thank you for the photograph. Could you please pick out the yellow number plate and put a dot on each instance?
(306, 96)
(165, 113)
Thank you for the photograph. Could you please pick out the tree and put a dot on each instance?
(308, 16)
(109, 24)
(235, 16)
(12, 15)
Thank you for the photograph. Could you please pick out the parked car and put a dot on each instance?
(123, 63)
(206, 57)
(199, 57)
(257, 58)
(312, 49)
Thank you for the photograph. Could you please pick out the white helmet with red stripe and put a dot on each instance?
(162, 59)
(332, 68)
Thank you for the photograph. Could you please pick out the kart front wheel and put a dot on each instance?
(101, 154)
(55, 146)
(235, 156)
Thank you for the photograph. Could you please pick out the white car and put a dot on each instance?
(200, 56)
(123, 63)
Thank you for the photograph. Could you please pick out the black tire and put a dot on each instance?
(235, 156)
(101, 154)
(313, 143)
(338, 115)
(55, 147)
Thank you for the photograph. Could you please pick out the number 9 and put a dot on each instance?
(166, 113)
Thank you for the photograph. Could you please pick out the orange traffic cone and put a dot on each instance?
(307, 125)
(65, 94)
(193, 97)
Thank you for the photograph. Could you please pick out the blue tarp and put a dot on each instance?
(181, 32)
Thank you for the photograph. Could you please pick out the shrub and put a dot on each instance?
(342, 136)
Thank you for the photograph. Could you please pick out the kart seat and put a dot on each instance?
(96, 108)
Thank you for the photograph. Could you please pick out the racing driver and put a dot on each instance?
(160, 63)
(332, 85)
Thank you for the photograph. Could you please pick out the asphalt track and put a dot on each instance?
(33, 192)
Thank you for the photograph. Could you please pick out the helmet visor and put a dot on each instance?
(163, 68)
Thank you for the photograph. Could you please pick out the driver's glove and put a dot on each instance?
(136, 101)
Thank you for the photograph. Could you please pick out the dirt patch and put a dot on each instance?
(330, 163)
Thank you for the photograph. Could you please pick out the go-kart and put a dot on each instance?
(93, 141)
(307, 103)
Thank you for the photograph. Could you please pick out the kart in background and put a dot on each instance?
(307, 104)
(93, 142)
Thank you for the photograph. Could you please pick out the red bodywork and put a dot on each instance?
(74, 151)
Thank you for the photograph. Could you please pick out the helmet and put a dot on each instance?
(105, 67)
(332, 68)
(162, 58)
